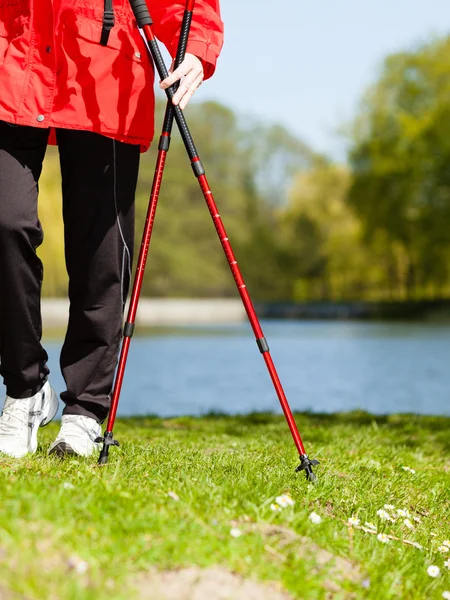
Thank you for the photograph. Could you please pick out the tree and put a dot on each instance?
(400, 158)
(329, 260)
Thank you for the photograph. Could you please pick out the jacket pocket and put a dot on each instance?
(123, 37)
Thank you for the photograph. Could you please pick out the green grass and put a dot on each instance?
(227, 471)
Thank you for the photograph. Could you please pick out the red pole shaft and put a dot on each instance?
(138, 278)
(150, 220)
(249, 308)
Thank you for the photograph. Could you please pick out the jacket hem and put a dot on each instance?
(143, 142)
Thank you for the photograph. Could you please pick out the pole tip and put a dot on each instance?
(306, 464)
(103, 458)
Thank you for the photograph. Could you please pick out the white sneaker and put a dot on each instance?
(21, 419)
(76, 436)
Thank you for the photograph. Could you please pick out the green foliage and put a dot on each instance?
(400, 159)
(322, 235)
(50, 214)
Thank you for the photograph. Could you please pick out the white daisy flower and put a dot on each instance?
(446, 543)
(446, 595)
(389, 507)
(77, 564)
(235, 532)
(433, 571)
(417, 519)
(353, 521)
(444, 549)
(447, 563)
(384, 516)
(173, 495)
(407, 523)
(284, 501)
(275, 508)
(382, 537)
(315, 518)
(402, 513)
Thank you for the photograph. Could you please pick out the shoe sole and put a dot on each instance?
(62, 449)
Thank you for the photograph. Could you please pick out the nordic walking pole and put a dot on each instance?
(144, 21)
(163, 147)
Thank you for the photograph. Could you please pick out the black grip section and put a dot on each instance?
(179, 116)
(159, 63)
(168, 119)
(128, 330)
(262, 345)
(141, 12)
(164, 143)
(185, 133)
(184, 34)
(181, 53)
(197, 167)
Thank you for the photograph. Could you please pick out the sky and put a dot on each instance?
(306, 64)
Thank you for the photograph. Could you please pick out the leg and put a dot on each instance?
(23, 360)
(99, 177)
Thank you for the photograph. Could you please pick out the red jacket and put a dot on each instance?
(55, 73)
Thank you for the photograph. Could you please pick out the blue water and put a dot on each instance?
(324, 367)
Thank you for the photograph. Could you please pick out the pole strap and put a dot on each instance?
(108, 21)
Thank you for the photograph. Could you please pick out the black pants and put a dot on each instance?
(99, 177)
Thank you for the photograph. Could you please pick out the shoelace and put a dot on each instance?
(14, 417)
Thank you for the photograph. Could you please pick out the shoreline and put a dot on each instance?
(208, 311)
(160, 311)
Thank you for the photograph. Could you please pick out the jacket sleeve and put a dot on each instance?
(206, 36)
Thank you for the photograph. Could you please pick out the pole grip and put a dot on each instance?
(181, 52)
(141, 12)
(184, 34)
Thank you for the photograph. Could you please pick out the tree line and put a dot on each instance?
(302, 227)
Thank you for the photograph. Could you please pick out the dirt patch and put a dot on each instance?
(335, 573)
(334, 570)
(6, 594)
(215, 583)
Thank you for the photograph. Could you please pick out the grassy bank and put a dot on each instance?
(72, 530)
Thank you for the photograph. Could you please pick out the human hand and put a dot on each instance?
(192, 74)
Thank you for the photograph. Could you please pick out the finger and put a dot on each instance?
(170, 72)
(182, 70)
(191, 91)
(185, 85)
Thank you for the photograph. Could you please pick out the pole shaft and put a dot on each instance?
(249, 308)
(150, 219)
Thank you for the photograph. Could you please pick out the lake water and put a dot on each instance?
(324, 367)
